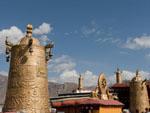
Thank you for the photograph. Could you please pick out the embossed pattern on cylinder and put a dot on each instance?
(27, 88)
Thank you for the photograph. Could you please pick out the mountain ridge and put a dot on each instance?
(54, 88)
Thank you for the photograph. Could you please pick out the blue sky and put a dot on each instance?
(95, 35)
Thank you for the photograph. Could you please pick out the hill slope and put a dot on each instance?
(54, 88)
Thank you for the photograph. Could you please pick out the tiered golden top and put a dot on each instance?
(29, 29)
(137, 77)
(25, 40)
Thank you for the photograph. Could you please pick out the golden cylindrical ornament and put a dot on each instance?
(27, 88)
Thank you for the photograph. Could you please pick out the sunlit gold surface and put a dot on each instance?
(80, 85)
(24, 41)
(102, 85)
(102, 90)
(27, 83)
(138, 94)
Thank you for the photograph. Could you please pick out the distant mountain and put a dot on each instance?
(54, 88)
(3, 85)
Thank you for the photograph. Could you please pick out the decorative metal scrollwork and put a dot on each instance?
(48, 51)
(8, 49)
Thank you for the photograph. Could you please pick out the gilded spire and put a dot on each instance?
(80, 84)
(29, 30)
(118, 71)
(118, 76)
(137, 72)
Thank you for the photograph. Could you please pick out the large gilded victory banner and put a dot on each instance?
(27, 89)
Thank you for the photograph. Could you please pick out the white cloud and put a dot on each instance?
(64, 68)
(44, 40)
(138, 42)
(99, 33)
(69, 76)
(4, 73)
(128, 75)
(90, 79)
(44, 28)
(14, 35)
(91, 30)
(61, 64)
(72, 76)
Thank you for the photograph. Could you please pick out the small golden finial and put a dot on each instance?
(118, 70)
(118, 76)
(29, 30)
(80, 84)
(137, 72)
(80, 76)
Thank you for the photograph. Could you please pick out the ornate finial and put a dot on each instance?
(137, 72)
(48, 48)
(8, 49)
(7, 43)
(118, 70)
(118, 76)
(80, 75)
(80, 84)
(29, 30)
(29, 35)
